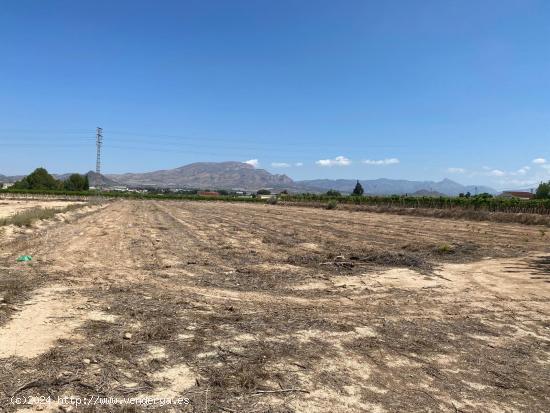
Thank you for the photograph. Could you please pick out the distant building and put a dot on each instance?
(517, 194)
(5, 185)
(266, 196)
(118, 188)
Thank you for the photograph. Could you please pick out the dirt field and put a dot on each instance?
(256, 308)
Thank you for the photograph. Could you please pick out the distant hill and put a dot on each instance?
(385, 186)
(4, 178)
(99, 180)
(94, 179)
(214, 175)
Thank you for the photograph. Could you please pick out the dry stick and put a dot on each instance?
(226, 409)
(280, 391)
(29, 385)
(42, 382)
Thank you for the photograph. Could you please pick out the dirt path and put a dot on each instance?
(266, 308)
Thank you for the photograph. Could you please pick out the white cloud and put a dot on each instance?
(280, 164)
(456, 170)
(497, 172)
(523, 171)
(539, 161)
(254, 162)
(387, 161)
(511, 183)
(299, 164)
(338, 161)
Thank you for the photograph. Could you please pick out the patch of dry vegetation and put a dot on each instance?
(27, 217)
(451, 213)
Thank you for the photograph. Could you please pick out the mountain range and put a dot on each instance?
(385, 186)
(242, 176)
(215, 175)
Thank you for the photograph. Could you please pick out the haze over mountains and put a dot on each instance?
(242, 176)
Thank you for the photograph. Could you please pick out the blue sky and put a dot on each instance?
(314, 89)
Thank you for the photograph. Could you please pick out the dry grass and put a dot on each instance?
(471, 215)
(11, 289)
(26, 218)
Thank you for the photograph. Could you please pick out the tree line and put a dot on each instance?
(40, 179)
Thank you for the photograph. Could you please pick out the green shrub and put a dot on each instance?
(332, 204)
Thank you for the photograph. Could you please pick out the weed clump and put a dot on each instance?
(445, 249)
(332, 205)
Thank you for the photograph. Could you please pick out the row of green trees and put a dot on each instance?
(40, 179)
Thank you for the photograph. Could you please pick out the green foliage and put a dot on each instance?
(272, 201)
(543, 191)
(39, 179)
(358, 190)
(77, 182)
(264, 192)
(333, 193)
(332, 204)
(484, 195)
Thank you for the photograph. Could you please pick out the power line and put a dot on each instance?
(46, 131)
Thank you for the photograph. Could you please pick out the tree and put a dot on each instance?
(358, 190)
(484, 195)
(333, 192)
(38, 179)
(76, 182)
(543, 191)
(264, 192)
